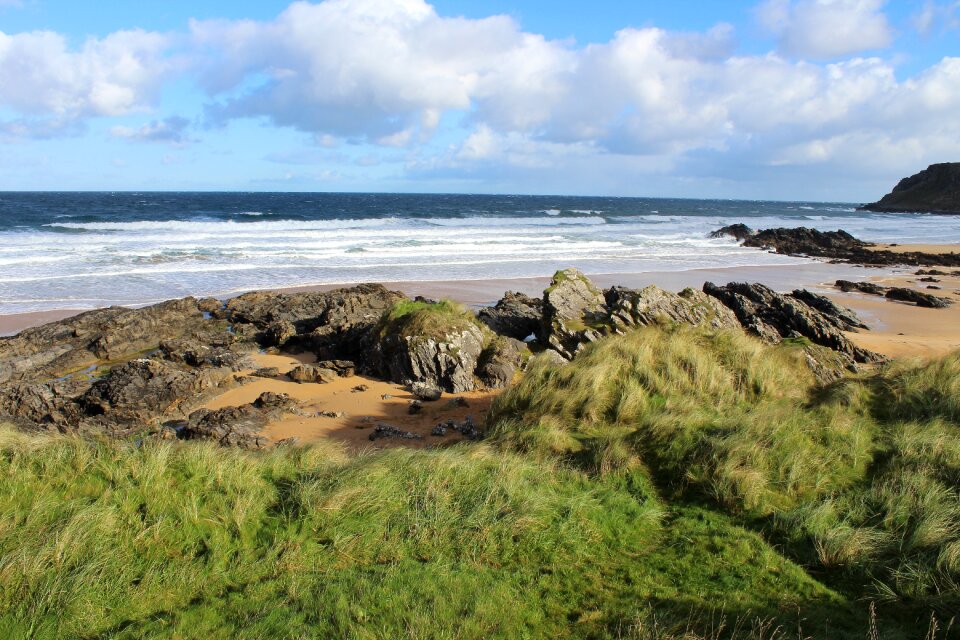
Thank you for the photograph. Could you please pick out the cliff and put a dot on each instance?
(936, 189)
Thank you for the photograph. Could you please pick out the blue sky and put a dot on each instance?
(779, 99)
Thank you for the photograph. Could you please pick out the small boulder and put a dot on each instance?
(311, 374)
(425, 391)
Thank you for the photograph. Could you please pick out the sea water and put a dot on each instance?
(87, 250)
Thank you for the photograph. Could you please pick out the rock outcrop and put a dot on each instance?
(515, 316)
(650, 305)
(237, 426)
(500, 362)
(58, 348)
(936, 189)
(434, 343)
(773, 317)
(574, 312)
(838, 246)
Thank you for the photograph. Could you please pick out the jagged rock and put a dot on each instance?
(844, 318)
(311, 374)
(278, 332)
(331, 414)
(38, 404)
(389, 431)
(439, 430)
(773, 317)
(864, 287)
(215, 350)
(334, 324)
(500, 362)
(839, 246)
(237, 426)
(932, 272)
(651, 305)
(936, 189)
(344, 368)
(414, 407)
(266, 372)
(515, 316)
(140, 391)
(929, 279)
(918, 297)
(433, 344)
(360, 388)
(572, 308)
(425, 391)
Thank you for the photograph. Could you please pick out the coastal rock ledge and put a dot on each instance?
(936, 189)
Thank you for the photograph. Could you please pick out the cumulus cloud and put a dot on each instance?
(42, 79)
(826, 29)
(172, 130)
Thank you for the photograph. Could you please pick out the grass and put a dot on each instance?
(110, 540)
(860, 480)
(430, 319)
(669, 483)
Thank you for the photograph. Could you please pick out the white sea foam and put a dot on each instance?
(68, 263)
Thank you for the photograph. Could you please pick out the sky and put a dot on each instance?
(828, 100)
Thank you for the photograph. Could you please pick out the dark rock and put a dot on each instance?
(457, 403)
(425, 391)
(845, 318)
(311, 374)
(140, 391)
(237, 426)
(739, 231)
(432, 345)
(936, 189)
(344, 368)
(863, 287)
(209, 305)
(573, 309)
(389, 431)
(360, 388)
(111, 334)
(331, 414)
(933, 286)
(336, 324)
(773, 317)
(931, 272)
(38, 404)
(840, 246)
(414, 407)
(929, 279)
(439, 430)
(278, 332)
(918, 297)
(515, 315)
(500, 362)
(267, 372)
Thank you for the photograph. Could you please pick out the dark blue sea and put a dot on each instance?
(86, 250)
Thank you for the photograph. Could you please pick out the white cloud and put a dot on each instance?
(826, 29)
(41, 78)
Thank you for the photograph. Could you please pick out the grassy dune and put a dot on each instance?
(670, 483)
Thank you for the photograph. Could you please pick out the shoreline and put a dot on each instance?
(485, 292)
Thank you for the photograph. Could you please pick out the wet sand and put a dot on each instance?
(380, 402)
(903, 330)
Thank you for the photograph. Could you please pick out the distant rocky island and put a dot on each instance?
(936, 189)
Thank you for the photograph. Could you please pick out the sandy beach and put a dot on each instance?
(361, 408)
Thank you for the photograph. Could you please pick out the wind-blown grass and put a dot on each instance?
(105, 539)
(862, 478)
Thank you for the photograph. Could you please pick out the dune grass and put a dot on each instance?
(186, 540)
(860, 479)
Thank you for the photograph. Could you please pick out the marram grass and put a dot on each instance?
(861, 479)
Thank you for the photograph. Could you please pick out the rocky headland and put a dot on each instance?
(936, 189)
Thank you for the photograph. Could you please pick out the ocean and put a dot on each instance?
(88, 250)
